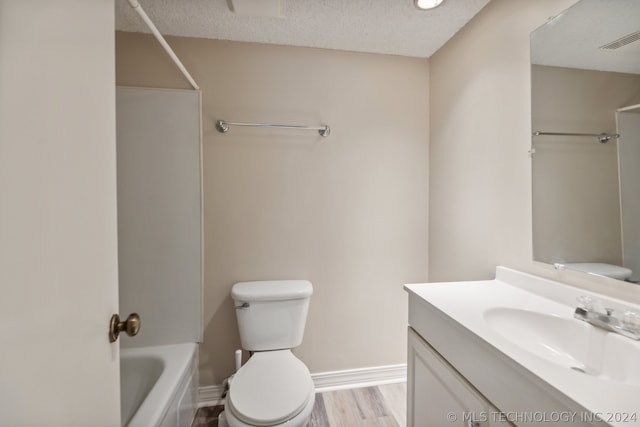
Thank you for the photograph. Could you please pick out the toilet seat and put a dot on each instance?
(271, 388)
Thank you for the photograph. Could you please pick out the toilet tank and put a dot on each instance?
(271, 314)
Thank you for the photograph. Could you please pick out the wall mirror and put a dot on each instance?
(585, 71)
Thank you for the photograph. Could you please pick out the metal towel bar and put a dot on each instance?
(602, 137)
(223, 127)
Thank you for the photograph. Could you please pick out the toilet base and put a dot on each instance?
(222, 420)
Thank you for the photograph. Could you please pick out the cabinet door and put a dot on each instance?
(437, 395)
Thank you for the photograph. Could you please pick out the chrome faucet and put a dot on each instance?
(628, 325)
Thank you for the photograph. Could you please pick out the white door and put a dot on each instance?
(58, 244)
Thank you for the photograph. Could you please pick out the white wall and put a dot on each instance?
(347, 212)
(58, 253)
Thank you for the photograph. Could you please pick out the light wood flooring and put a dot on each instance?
(378, 406)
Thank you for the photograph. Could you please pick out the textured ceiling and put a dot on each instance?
(573, 38)
(376, 26)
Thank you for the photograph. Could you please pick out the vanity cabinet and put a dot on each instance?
(437, 395)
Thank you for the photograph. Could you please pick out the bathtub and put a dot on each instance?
(158, 385)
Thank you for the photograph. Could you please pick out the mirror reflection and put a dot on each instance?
(586, 139)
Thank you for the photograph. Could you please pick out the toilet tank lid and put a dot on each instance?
(271, 290)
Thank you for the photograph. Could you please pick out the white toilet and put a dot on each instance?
(274, 388)
(601, 269)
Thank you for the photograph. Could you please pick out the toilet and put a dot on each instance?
(273, 388)
(601, 269)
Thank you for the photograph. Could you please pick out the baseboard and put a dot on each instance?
(210, 395)
(361, 377)
(327, 381)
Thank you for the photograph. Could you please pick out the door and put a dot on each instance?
(58, 238)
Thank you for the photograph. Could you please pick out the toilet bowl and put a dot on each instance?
(273, 388)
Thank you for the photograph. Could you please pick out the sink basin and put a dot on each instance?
(569, 343)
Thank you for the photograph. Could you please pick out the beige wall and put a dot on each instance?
(480, 172)
(576, 216)
(348, 212)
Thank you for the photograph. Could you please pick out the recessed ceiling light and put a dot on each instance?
(427, 4)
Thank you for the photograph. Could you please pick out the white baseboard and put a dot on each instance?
(327, 381)
(210, 395)
(361, 377)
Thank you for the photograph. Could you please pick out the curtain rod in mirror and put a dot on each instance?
(602, 137)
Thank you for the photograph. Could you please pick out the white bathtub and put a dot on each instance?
(158, 385)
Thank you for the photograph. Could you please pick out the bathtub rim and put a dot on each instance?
(177, 360)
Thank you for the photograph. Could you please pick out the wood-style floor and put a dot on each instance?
(379, 406)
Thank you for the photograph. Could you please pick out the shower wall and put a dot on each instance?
(160, 214)
(629, 157)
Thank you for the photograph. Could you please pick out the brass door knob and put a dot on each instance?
(131, 326)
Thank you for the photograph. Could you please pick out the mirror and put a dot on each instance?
(585, 81)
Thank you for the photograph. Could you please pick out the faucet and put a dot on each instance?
(588, 311)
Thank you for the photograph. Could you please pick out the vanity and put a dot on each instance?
(509, 351)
